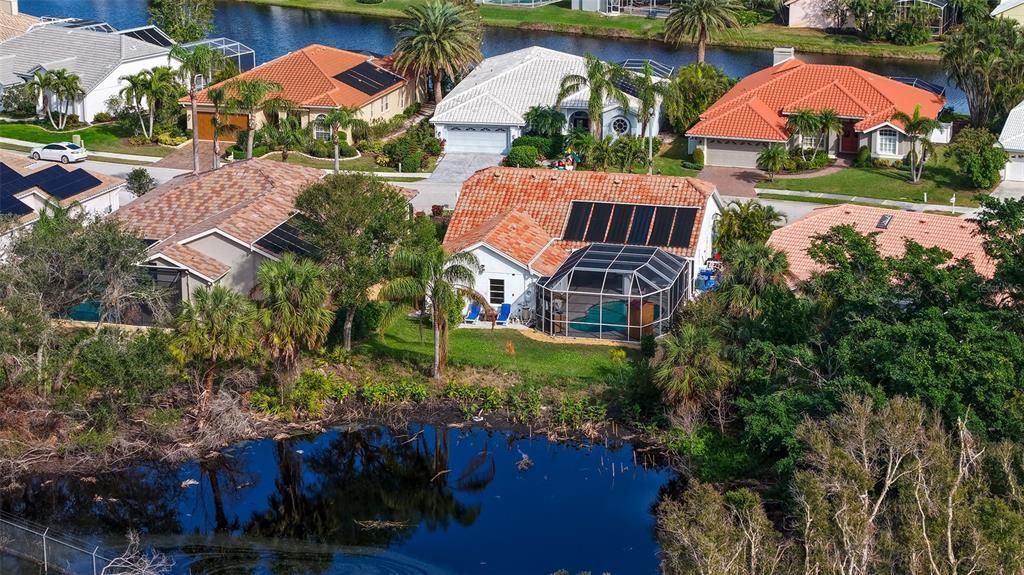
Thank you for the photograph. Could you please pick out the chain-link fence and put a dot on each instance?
(56, 553)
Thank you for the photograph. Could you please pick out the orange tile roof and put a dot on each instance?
(756, 107)
(522, 212)
(955, 235)
(210, 268)
(307, 77)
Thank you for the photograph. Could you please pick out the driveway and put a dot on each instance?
(732, 182)
(443, 186)
(1004, 191)
(161, 175)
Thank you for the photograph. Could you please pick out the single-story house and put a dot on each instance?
(26, 185)
(318, 79)
(1012, 140)
(892, 228)
(1010, 9)
(12, 21)
(821, 14)
(753, 114)
(98, 58)
(586, 254)
(485, 111)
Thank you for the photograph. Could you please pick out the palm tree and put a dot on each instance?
(293, 312)
(41, 83)
(649, 93)
(803, 123)
(772, 159)
(599, 78)
(690, 362)
(437, 39)
(828, 122)
(196, 69)
(134, 91)
(286, 135)
(628, 151)
(698, 19)
(218, 97)
(67, 88)
(443, 281)
(546, 121)
(337, 120)
(751, 270)
(149, 86)
(250, 96)
(216, 325)
(602, 153)
(918, 128)
(746, 222)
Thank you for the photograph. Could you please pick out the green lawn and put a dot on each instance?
(562, 365)
(561, 18)
(361, 164)
(940, 183)
(104, 138)
(667, 162)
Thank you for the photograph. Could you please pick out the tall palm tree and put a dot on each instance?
(443, 281)
(337, 120)
(146, 89)
(67, 87)
(251, 96)
(41, 83)
(751, 270)
(437, 39)
(286, 135)
(600, 79)
(803, 123)
(698, 19)
(918, 128)
(746, 222)
(134, 92)
(216, 325)
(293, 310)
(218, 97)
(649, 93)
(828, 122)
(196, 69)
(690, 362)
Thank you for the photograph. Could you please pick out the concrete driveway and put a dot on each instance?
(161, 175)
(1004, 191)
(442, 187)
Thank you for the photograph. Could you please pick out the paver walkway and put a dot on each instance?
(111, 155)
(741, 182)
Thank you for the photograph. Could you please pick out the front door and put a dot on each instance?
(848, 143)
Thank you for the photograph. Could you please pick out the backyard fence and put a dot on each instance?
(56, 553)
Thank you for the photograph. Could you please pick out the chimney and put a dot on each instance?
(780, 55)
(9, 7)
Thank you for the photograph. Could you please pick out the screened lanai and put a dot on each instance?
(611, 291)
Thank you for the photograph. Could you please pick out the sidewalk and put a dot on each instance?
(860, 199)
(111, 155)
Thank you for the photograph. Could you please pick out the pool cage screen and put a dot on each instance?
(615, 292)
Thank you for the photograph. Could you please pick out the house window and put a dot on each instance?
(321, 129)
(888, 142)
(386, 104)
(620, 125)
(497, 292)
(809, 142)
(579, 121)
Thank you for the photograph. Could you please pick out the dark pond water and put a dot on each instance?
(456, 501)
(272, 31)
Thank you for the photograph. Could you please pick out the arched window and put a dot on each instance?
(321, 130)
(579, 121)
(620, 125)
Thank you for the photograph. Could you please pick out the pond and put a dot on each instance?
(273, 30)
(371, 500)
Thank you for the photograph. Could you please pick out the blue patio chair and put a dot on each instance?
(503, 314)
(474, 313)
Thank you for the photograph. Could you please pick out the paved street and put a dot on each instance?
(1005, 191)
(442, 188)
(161, 175)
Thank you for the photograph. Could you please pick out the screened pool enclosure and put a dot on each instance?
(609, 291)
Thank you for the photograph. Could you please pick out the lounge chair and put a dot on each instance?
(474, 313)
(503, 314)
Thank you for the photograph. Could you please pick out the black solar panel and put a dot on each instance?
(641, 225)
(151, 35)
(12, 183)
(598, 222)
(368, 79)
(684, 227)
(54, 181)
(285, 238)
(619, 227)
(71, 184)
(662, 226)
(578, 216)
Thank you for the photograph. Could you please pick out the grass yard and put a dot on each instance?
(103, 138)
(940, 182)
(667, 161)
(567, 366)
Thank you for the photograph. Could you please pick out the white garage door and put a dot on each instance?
(738, 154)
(476, 139)
(1015, 168)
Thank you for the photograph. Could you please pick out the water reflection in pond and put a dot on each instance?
(374, 501)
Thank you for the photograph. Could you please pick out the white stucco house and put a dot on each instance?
(98, 58)
(1012, 140)
(484, 113)
(586, 254)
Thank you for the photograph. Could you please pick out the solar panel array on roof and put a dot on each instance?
(637, 225)
(285, 238)
(151, 35)
(55, 181)
(368, 79)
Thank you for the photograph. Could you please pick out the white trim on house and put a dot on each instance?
(895, 142)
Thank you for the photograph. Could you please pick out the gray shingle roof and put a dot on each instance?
(91, 55)
(1012, 136)
(502, 88)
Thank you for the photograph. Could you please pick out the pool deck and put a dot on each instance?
(538, 336)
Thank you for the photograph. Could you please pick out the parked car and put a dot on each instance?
(63, 152)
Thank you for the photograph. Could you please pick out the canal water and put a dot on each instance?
(421, 501)
(272, 31)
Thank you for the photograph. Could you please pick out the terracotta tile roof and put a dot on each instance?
(307, 77)
(195, 260)
(756, 107)
(24, 166)
(955, 235)
(520, 211)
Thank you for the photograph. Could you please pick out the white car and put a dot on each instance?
(63, 152)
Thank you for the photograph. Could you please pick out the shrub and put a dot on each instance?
(522, 157)
(978, 158)
(433, 146)
(383, 392)
(370, 146)
(168, 139)
(102, 117)
(474, 399)
(691, 165)
(346, 150)
(139, 182)
(751, 18)
(138, 140)
(550, 147)
(16, 101)
(573, 412)
(411, 110)
(523, 402)
(698, 157)
(313, 387)
(863, 158)
(648, 345)
(320, 149)
(412, 163)
(266, 400)
(908, 33)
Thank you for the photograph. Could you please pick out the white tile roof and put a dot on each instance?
(1012, 136)
(502, 88)
(1006, 5)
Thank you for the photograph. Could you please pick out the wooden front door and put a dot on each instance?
(849, 141)
(205, 124)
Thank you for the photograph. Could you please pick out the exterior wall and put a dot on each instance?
(519, 281)
(812, 14)
(705, 241)
(611, 114)
(587, 5)
(95, 101)
(732, 153)
(243, 263)
(871, 139)
(1015, 13)
(444, 132)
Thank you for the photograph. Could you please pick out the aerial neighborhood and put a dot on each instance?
(728, 287)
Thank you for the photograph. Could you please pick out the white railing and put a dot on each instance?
(54, 552)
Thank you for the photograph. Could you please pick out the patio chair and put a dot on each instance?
(503, 314)
(474, 313)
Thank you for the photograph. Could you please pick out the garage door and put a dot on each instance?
(240, 121)
(1015, 168)
(477, 139)
(732, 153)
